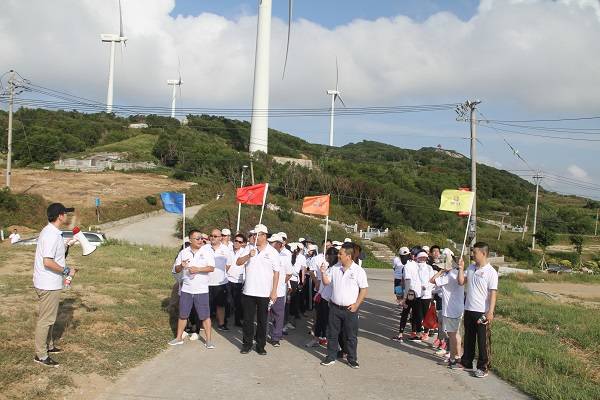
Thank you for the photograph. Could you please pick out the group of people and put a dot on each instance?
(267, 283)
(424, 277)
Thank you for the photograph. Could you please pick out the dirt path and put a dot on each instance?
(580, 293)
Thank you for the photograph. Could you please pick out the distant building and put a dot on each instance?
(296, 161)
(138, 126)
(100, 162)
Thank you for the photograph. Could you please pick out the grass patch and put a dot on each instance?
(372, 262)
(114, 317)
(548, 349)
(139, 147)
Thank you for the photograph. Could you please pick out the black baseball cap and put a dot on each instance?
(55, 209)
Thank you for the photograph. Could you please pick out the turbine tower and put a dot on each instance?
(335, 94)
(259, 128)
(175, 83)
(113, 39)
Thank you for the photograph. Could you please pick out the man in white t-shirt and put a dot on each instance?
(49, 271)
(453, 297)
(349, 289)
(235, 277)
(217, 285)
(14, 237)
(425, 273)
(260, 288)
(410, 299)
(195, 263)
(482, 287)
(285, 273)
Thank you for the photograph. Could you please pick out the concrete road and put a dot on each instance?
(155, 229)
(388, 370)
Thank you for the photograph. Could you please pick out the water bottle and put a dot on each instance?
(67, 282)
(270, 305)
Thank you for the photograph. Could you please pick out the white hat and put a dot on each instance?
(252, 232)
(301, 239)
(336, 243)
(293, 246)
(422, 254)
(260, 228)
(313, 247)
(425, 248)
(447, 252)
(275, 238)
(347, 240)
(226, 232)
(283, 235)
(404, 251)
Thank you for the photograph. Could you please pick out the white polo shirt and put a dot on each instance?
(223, 257)
(325, 290)
(298, 266)
(346, 285)
(453, 294)
(398, 268)
(197, 283)
(411, 271)
(14, 238)
(480, 281)
(50, 244)
(315, 262)
(235, 273)
(286, 268)
(259, 272)
(425, 273)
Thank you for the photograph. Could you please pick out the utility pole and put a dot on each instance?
(525, 224)
(538, 178)
(11, 88)
(472, 105)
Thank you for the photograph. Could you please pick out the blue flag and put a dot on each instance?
(172, 202)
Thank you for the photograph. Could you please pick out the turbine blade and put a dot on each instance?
(287, 46)
(339, 96)
(121, 34)
(179, 69)
(337, 73)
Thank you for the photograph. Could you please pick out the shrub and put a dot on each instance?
(151, 200)
(519, 251)
(8, 201)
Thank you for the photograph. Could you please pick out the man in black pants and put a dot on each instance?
(480, 303)
(260, 287)
(349, 289)
(235, 278)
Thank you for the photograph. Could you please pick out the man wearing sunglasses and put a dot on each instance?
(235, 277)
(218, 278)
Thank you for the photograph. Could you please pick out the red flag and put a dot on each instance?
(254, 195)
(316, 205)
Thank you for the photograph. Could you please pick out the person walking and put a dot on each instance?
(285, 273)
(260, 288)
(223, 257)
(49, 271)
(482, 286)
(349, 289)
(235, 278)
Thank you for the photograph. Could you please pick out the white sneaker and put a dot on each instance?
(175, 342)
(290, 326)
(312, 343)
(441, 352)
(194, 336)
(184, 335)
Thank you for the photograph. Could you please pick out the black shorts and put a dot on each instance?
(218, 295)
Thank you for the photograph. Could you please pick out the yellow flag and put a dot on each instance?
(456, 201)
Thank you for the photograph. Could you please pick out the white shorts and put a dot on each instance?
(451, 324)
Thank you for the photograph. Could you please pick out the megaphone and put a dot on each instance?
(86, 247)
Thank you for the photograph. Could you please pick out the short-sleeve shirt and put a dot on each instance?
(315, 262)
(298, 266)
(346, 285)
(286, 268)
(398, 268)
(411, 271)
(453, 294)
(223, 257)
(14, 238)
(325, 290)
(236, 273)
(259, 272)
(479, 283)
(197, 283)
(50, 244)
(425, 273)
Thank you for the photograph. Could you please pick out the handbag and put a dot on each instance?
(430, 321)
(317, 298)
(399, 290)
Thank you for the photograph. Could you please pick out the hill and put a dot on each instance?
(371, 183)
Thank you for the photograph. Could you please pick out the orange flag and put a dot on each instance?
(316, 205)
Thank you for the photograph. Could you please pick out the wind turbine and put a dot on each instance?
(335, 94)
(175, 83)
(259, 129)
(112, 39)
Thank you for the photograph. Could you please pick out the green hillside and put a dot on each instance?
(371, 183)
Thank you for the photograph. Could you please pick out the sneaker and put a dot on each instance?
(437, 343)
(424, 337)
(175, 342)
(290, 326)
(414, 337)
(262, 352)
(457, 365)
(48, 362)
(353, 364)
(209, 345)
(194, 336)
(323, 341)
(398, 339)
(480, 374)
(54, 350)
(314, 342)
(275, 343)
(223, 328)
(245, 350)
(444, 345)
(327, 361)
(440, 352)
(184, 335)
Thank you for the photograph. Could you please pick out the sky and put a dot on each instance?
(523, 59)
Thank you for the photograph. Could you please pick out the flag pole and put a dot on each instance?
(462, 250)
(263, 203)
(183, 225)
(237, 227)
(326, 230)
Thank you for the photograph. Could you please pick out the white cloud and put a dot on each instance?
(578, 173)
(538, 54)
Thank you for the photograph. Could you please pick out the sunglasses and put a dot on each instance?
(215, 236)
(198, 238)
(239, 241)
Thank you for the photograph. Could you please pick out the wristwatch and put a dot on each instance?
(66, 271)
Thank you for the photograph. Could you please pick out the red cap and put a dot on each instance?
(76, 230)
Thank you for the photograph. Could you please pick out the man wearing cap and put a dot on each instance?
(218, 278)
(260, 288)
(285, 273)
(226, 238)
(49, 271)
(349, 289)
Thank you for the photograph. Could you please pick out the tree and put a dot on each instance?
(577, 241)
(544, 238)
